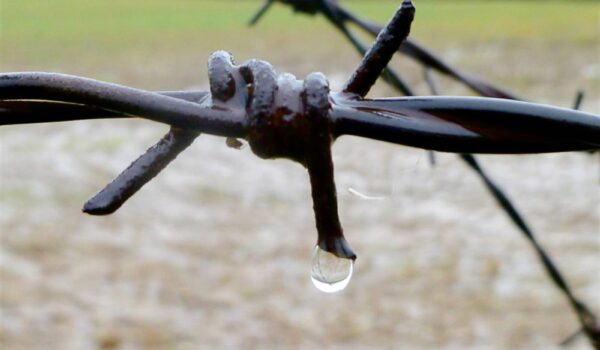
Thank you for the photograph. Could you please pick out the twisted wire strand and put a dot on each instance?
(121, 99)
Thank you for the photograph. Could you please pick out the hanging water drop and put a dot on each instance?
(330, 273)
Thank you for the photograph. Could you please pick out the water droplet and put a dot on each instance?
(329, 273)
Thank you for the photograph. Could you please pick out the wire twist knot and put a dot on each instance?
(287, 117)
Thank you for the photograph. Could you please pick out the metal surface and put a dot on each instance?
(468, 124)
(375, 60)
(142, 170)
(451, 124)
(125, 100)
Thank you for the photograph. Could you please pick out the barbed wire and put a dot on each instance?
(283, 117)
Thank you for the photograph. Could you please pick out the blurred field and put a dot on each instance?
(215, 252)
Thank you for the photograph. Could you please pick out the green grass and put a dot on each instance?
(494, 20)
(34, 29)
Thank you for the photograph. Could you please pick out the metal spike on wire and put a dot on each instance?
(339, 17)
(283, 117)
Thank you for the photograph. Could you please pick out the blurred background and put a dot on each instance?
(215, 252)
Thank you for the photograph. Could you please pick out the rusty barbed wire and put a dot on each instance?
(283, 117)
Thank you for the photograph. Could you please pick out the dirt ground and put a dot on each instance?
(215, 252)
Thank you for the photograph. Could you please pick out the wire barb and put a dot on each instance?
(387, 43)
(140, 172)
